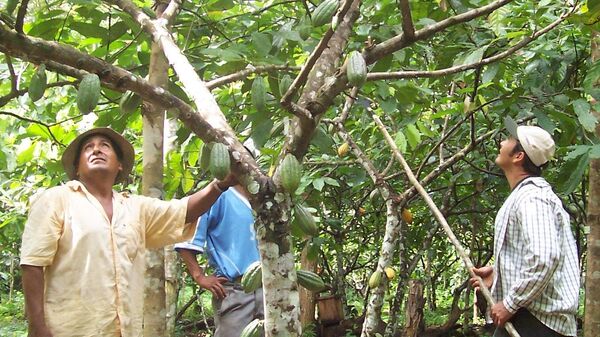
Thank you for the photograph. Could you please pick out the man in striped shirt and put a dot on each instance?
(535, 280)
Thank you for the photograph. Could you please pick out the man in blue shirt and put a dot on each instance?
(226, 235)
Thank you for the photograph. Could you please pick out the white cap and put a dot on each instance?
(537, 143)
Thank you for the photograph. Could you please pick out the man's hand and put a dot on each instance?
(486, 273)
(500, 315)
(213, 284)
(228, 181)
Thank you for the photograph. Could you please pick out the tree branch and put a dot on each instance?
(407, 25)
(398, 42)
(171, 10)
(242, 74)
(34, 122)
(21, 16)
(72, 61)
(456, 69)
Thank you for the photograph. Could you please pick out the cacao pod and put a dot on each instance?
(356, 69)
(375, 279)
(259, 94)
(361, 211)
(407, 216)
(290, 173)
(205, 156)
(305, 220)
(88, 93)
(304, 29)
(253, 329)
(129, 102)
(284, 84)
(343, 149)
(323, 13)
(219, 161)
(310, 280)
(38, 82)
(252, 278)
(390, 273)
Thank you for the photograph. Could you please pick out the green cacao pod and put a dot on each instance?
(324, 12)
(219, 161)
(129, 102)
(259, 94)
(356, 69)
(11, 5)
(305, 220)
(284, 84)
(205, 156)
(375, 279)
(88, 93)
(252, 278)
(253, 329)
(304, 28)
(310, 280)
(290, 173)
(38, 82)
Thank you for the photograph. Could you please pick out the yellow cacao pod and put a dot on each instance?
(407, 216)
(390, 273)
(343, 149)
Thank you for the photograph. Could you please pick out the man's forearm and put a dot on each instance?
(33, 287)
(189, 258)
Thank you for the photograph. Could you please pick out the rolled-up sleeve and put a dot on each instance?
(165, 221)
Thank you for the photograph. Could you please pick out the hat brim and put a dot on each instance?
(511, 126)
(71, 153)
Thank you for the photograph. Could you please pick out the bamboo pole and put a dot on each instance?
(438, 215)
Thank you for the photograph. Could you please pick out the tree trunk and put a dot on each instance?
(307, 297)
(414, 309)
(390, 240)
(152, 185)
(592, 281)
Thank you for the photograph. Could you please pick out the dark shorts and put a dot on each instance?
(528, 326)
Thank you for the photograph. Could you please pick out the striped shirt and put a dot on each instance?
(536, 257)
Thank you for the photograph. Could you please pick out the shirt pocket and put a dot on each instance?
(128, 239)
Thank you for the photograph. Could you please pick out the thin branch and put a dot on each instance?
(47, 126)
(13, 76)
(171, 11)
(407, 25)
(440, 218)
(242, 74)
(456, 69)
(398, 42)
(16, 93)
(21, 16)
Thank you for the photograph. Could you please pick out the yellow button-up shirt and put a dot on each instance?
(94, 268)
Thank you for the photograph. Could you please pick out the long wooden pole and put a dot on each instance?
(438, 215)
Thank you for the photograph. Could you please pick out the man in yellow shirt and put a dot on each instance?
(83, 245)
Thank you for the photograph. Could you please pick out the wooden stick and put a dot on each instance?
(438, 215)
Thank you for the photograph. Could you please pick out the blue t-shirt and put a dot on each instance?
(226, 234)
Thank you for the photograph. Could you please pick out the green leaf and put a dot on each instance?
(261, 43)
(331, 181)
(322, 140)
(413, 135)
(571, 174)
(26, 156)
(584, 115)
(489, 73)
(188, 181)
(318, 184)
(89, 30)
(400, 141)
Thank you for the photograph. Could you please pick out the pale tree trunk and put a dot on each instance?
(390, 240)
(307, 297)
(591, 326)
(152, 185)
